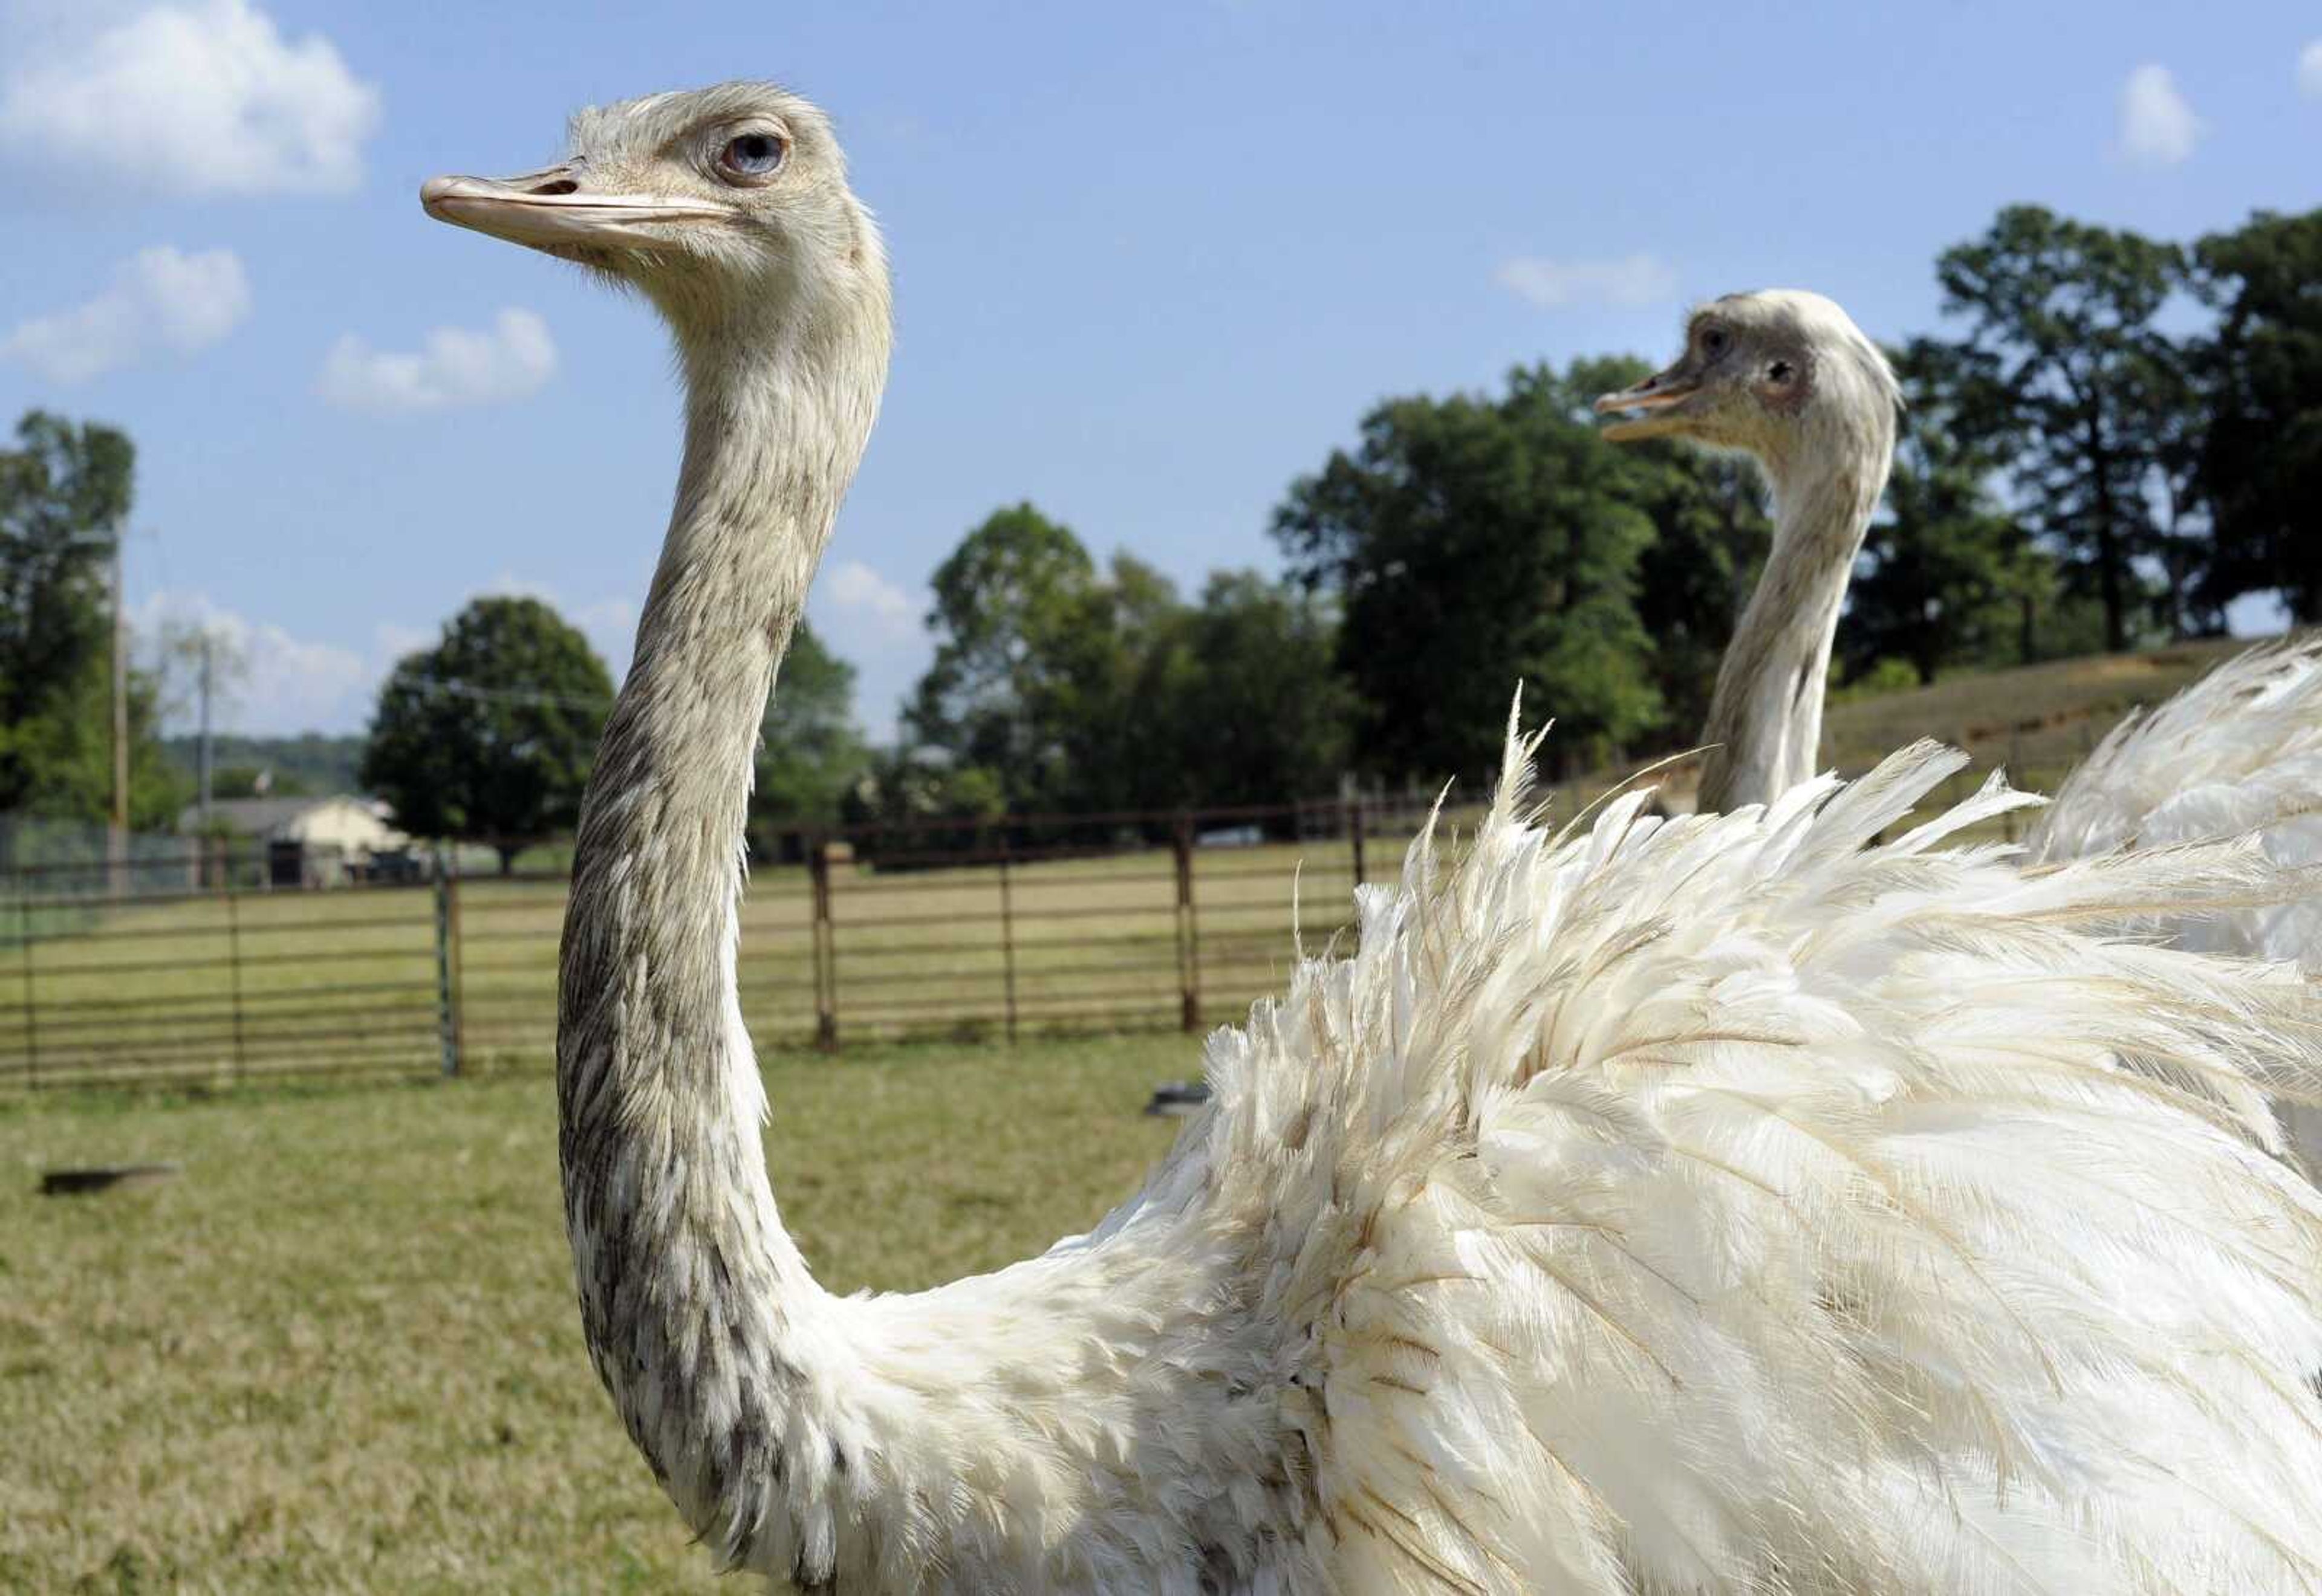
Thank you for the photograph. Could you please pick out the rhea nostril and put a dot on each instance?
(561, 185)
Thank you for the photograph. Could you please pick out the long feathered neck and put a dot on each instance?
(985, 1427)
(698, 1311)
(1765, 714)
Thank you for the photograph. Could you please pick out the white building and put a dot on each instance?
(309, 842)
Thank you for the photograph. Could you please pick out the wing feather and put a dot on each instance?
(1736, 1203)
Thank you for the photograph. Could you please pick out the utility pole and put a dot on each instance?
(118, 839)
(201, 750)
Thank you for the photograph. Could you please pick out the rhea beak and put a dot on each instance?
(548, 210)
(1660, 405)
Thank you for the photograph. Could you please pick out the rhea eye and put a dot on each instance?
(752, 158)
(1714, 340)
(1780, 372)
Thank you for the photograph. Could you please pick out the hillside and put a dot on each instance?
(2038, 720)
(311, 761)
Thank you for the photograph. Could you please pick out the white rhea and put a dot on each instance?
(1787, 378)
(1730, 1204)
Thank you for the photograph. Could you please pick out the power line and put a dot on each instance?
(451, 687)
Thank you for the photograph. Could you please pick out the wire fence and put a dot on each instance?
(221, 986)
(974, 931)
(946, 928)
(194, 973)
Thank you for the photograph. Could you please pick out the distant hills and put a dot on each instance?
(309, 763)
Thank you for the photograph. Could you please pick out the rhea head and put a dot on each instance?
(722, 205)
(1780, 374)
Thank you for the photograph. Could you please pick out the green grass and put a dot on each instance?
(339, 1352)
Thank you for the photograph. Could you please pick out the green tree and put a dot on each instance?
(2259, 465)
(1106, 707)
(1010, 603)
(65, 495)
(1044, 672)
(1947, 576)
(907, 786)
(1058, 687)
(488, 735)
(1250, 705)
(810, 754)
(2184, 543)
(2069, 371)
(63, 754)
(1470, 542)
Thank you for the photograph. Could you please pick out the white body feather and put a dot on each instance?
(2238, 751)
(1723, 1204)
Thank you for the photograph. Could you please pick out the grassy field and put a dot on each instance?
(339, 1352)
(2039, 721)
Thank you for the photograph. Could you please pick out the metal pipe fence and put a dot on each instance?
(946, 928)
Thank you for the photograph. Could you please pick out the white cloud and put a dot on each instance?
(160, 300)
(875, 625)
(1625, 284)
(854, 587)
(454, 367)
(272, 681)
(2157, 127)
(392, 639)
(2309, 71)
(193, 98)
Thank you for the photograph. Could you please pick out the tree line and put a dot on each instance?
(2109, 441)
(65, 491)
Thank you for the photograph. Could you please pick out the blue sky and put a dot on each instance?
(1152, 262)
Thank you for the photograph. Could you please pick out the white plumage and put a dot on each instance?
(1741, 1208)
(1719, 1204)
(1729, 1204)
(2240, 751)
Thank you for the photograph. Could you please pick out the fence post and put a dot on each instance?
(826, 950)
(1007, 936)
(459, 968)
(447, 1013)
(1189, 947)
(31, 1021)
(1355, 833)
(233, 972)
